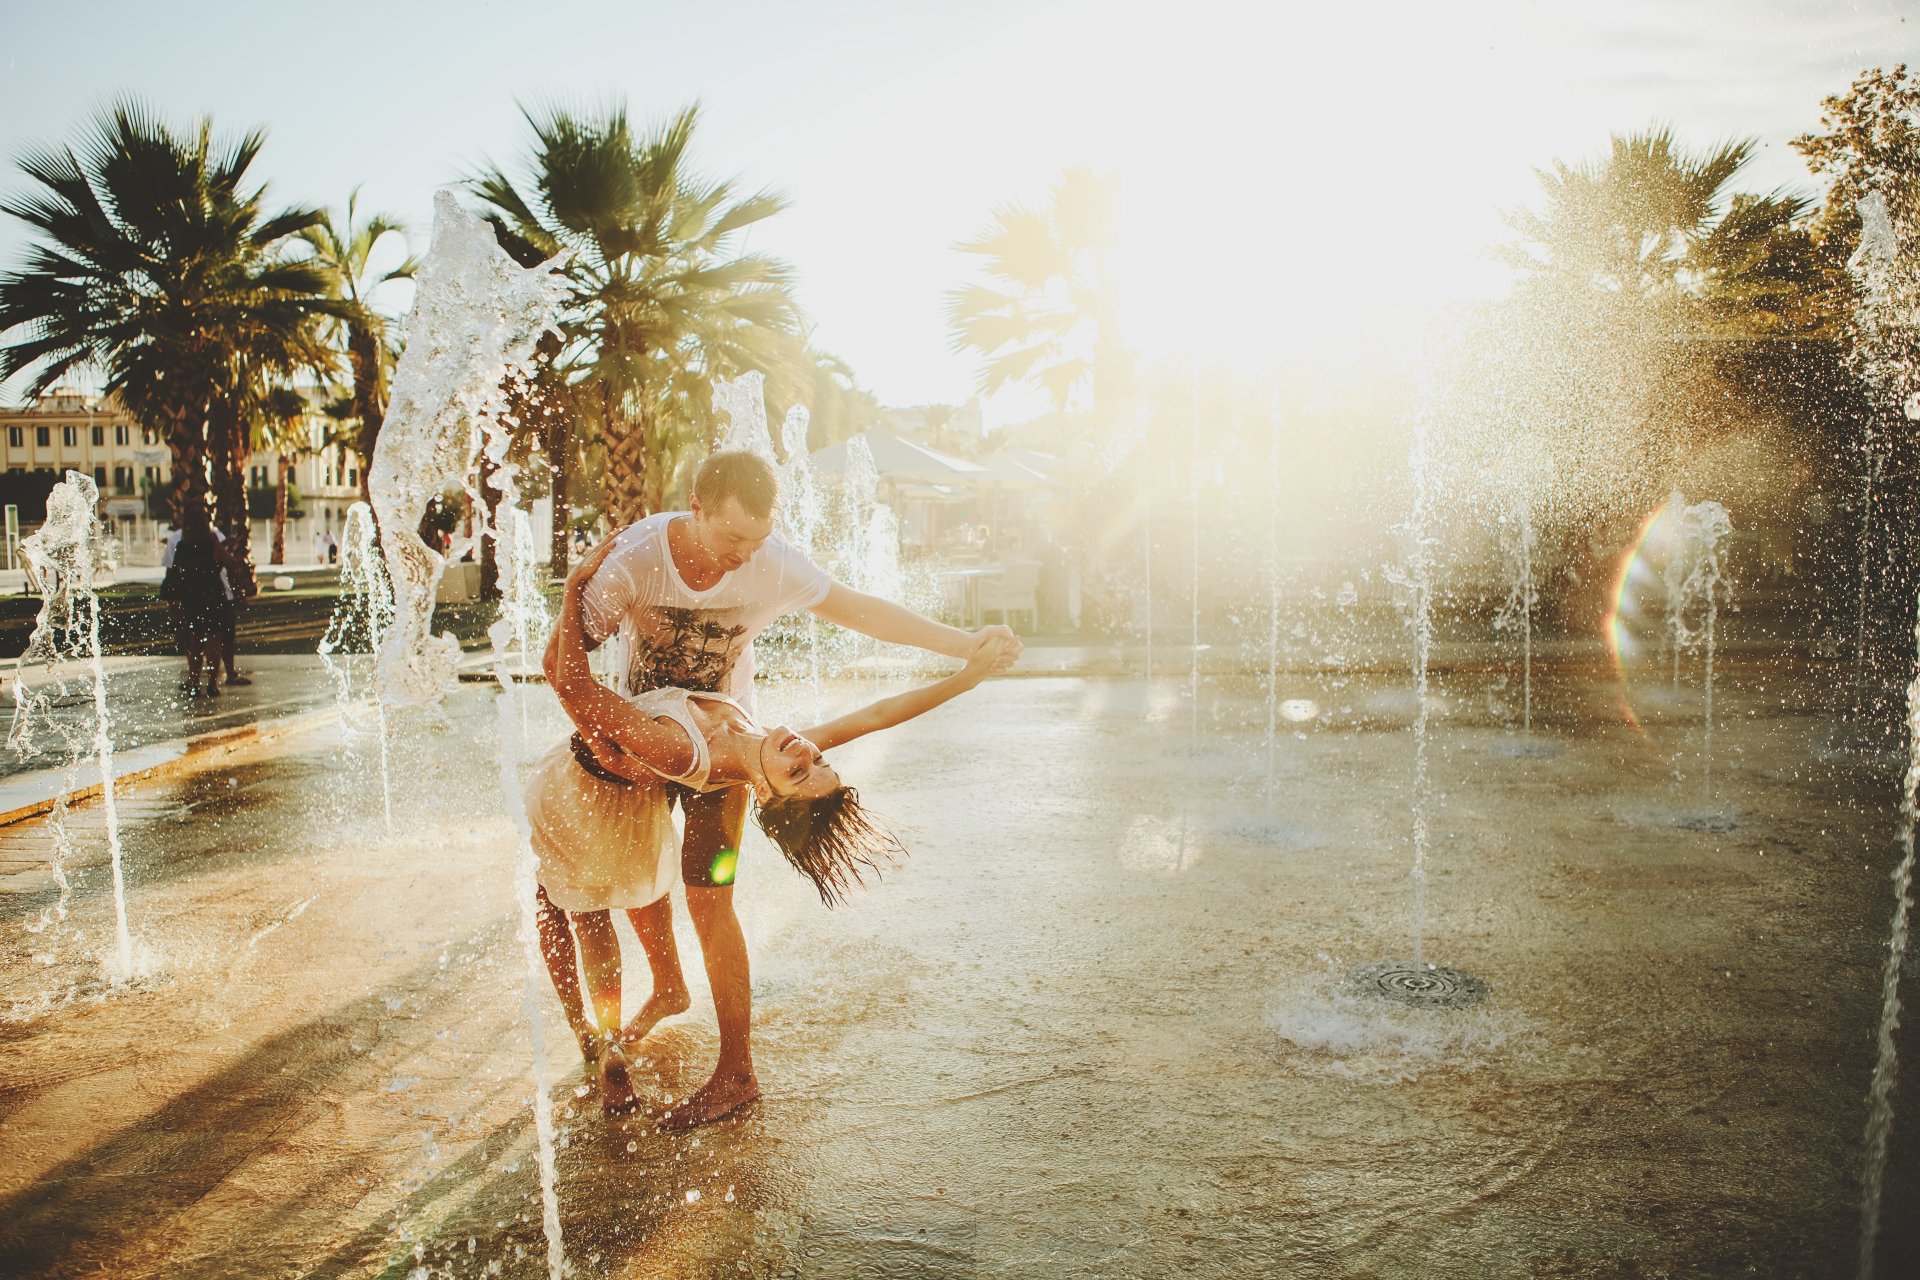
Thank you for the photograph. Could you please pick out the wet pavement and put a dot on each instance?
(1098, 1025)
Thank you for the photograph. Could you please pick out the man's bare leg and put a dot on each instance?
(563, 966)
(653, 925)
(715, 822)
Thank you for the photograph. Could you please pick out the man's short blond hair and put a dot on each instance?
(746, 477)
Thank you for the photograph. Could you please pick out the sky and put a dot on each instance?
(1292, 178)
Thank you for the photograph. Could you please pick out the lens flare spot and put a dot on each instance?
(725, 863)
(1299, 710)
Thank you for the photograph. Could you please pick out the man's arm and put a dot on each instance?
(886, 621)
(902, 707)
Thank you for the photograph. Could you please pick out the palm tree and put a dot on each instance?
(1049, 315)
(343, 247)
(157, 263)
(661, 302)
(1651, 229)
(284, 430)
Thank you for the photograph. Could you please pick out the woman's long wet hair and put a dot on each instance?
(831, 840)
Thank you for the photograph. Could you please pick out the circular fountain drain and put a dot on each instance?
(1424, 985)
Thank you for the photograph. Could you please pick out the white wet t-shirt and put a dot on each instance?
(672, 635)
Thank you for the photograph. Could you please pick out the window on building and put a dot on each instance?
(123, 477)
(100, 477)
(119, 435)
(152, 475)
(69, 436)
(353, 476)
(15, 437)
(259, 480)
(42, 436)
(146, 436)
(99, 437)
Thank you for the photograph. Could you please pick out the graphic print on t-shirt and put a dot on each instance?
(685, 648)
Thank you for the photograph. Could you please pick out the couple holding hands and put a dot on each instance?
(685, 593)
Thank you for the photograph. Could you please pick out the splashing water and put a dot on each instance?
(744, 402)
(1193, 539)
(1146, 537)
(800, 517)
(63, 559)
(1695, 588)
(362, 617)
(522, 623)
(476, 319)
(1415, 577)
(476, 316)
(1522, 596)
(1887, 269)
(1273, 602)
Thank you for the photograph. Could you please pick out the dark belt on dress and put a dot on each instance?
(583, 754)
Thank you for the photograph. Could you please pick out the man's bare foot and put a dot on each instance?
(660, 1006)
(720, 1096)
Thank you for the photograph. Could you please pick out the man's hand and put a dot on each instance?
(613, 759)
(991, 654)
(1008, 646)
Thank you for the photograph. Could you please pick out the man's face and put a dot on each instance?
(729, 534)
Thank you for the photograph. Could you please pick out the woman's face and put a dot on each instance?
(794, 766)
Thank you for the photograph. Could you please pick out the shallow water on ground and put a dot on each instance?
(1098, 1025)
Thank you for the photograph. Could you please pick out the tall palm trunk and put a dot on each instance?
(369, 399)
(280, 510)
(229, 449)
(490, 543)
(185, 426)
(559, 453)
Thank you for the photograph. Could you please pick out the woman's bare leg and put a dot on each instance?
(653, 925)
(563, 966)
(600, 957)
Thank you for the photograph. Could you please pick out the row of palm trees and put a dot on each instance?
(221, 321)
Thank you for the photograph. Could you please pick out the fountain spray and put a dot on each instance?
(365, 608)
(1887, 269)
(1419, 580)
(476, 318)
(63, 559)
(1193, 564)
(1273, 596)
(1522, 596)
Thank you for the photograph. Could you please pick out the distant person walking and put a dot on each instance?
(198, 591)
(230, 608)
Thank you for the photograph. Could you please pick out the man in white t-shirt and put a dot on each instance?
(687, 592)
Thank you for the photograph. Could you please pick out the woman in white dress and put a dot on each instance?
(600, 810)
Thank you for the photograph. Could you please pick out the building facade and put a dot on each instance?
(67, 430)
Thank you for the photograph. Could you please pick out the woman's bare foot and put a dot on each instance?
(721, 1096)
(616, 1082)
(660, 1006)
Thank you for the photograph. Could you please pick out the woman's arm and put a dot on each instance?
(902, 707)
(624, 739)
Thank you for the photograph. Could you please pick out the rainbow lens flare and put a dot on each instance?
(1639, 591)
(725, 864)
